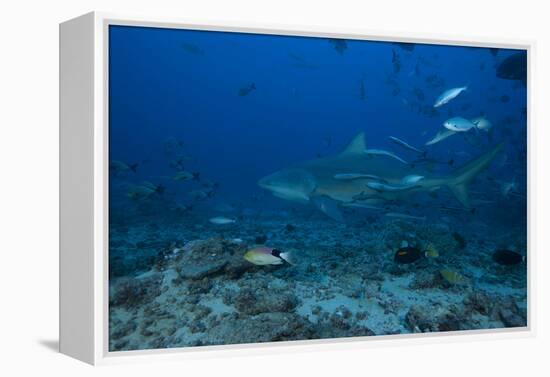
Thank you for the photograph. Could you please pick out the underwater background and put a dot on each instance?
(205, 126)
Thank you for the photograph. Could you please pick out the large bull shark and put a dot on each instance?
(368, 179)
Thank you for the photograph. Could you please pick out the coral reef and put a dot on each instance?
(203, 258)
(131, 292)
(264, 327)
(256, 301)
(201, 291)
(429, 319)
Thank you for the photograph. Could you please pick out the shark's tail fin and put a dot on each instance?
(459, 180)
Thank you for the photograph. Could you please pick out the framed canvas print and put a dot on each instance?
(224, 185)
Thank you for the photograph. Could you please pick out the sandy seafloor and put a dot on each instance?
(194, 288)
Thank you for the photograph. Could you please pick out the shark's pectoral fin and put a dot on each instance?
(460, 191)
(291, 196)
(329, 207)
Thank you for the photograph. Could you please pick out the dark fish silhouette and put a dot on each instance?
(417, 69)
(177, 164)
(419, 94)
(507, 257)
(405, 45)
(362, 95)
(339, 45)
(407, 254)
(514, 67)
(394, 85)
(396, 61)
(116, 167)
(432, 161)
(459, 240)
(300, 62)
(244, 91)
(192, 49)
(434, 81)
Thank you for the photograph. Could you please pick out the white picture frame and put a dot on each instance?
(84, 190)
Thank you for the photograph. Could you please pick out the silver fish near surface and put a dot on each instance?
(349, 176)
(411, 179)
(117, 166)
(459, 124)
(404, 216)
(200, 194)
(381, 152)
(145, 190)
(381, 187)
(361, 205)
(405, 144)
(441, 135)
(245, 90)
(448, 95)
(506, 188)
(220, 220)
(185, 175)
(482, 124)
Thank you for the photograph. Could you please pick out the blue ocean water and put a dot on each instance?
(197, 118)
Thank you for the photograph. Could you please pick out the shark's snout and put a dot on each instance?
(289, 184)
(264, 183)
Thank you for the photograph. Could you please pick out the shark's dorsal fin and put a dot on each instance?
(356, 146)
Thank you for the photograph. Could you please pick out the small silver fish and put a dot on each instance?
(477, 202)
(448, 95)
(405, 144)
(199, 194)
(378, 186)
(459, 124)
(220, 220)
(412, 179)
(507, 187)
(482, 123)
(457, 209)
(119, 166)
(186, 176)
(361, 205)
(245, 90)
(351, 176)
(381, 152)
(404, 216)
(441, 135)
(145, 190)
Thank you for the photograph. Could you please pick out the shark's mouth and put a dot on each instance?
(289, 185)
(290, 195)
(286, 193)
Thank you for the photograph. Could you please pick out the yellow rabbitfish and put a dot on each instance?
(431, 251)
(453, 277)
